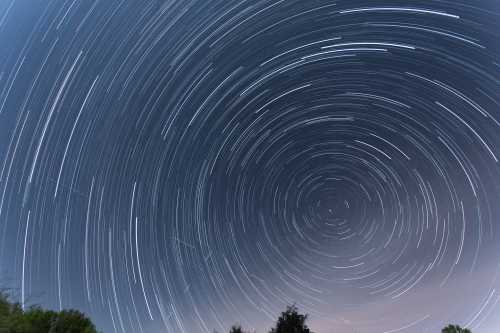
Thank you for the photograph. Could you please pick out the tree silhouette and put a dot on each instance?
(236, 329)
(14, 319)
(72, 321)
(455, 329)
(291, 321)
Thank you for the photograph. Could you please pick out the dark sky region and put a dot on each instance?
(182, 165)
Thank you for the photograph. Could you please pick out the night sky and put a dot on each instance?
(183, 165)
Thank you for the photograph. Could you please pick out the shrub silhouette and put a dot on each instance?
(455, 329)
(236, 329)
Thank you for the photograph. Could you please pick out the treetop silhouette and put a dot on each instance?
(291, 321)
(455, 329)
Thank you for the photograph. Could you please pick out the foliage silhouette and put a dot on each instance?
(236, 329)
(291, 321)
(13, 319)
(455, 329)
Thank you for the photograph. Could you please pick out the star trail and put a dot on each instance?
(183, 165)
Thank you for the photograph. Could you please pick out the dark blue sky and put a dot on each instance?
(179, 166)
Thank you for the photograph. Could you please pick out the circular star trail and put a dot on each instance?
(182, 165)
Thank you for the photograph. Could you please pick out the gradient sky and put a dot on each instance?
(182, 165)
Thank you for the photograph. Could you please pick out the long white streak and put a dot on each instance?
(399, 9)
(140, 272)
(404, 46)
(469, 127)
(86, 245)
(462, 238)
(71, 135)
(130, 232)
(59, 276)
(409, 325)
(24, 261)
(481, 309)
(373, 147)
(110, 254)
(51, 112)
(392, 145)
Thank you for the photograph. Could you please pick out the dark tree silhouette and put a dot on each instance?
(291, 321)
(236, 329)
(14, 319)
(72, 321)
(455, 329)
